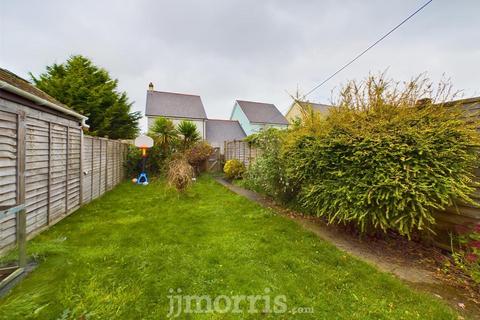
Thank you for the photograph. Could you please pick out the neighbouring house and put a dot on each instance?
(176, 107)
(470, 105)
(219, 131)
(295, 111)
(254, 116)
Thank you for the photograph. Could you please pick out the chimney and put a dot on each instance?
(150, 86)
(421, 103)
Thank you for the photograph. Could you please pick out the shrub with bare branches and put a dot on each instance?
(180, 173)
(198, 154)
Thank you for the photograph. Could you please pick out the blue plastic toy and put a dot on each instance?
(142, 178)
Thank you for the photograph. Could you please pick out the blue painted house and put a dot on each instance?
(254, 116)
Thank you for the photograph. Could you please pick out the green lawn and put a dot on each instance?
(118, 257)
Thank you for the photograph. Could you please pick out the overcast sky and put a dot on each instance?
(244, 49)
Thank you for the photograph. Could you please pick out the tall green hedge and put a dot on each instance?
(382, 159)
(387, 168)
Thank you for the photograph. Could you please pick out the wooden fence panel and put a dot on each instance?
(118, 162)
(96, 168)
(37, 142)
(87, 164)
(240, 150)
(58, 172)
(99, 174)
(114, 163)
(74, 153)
(8, 175)
(103, 166)
(109, 166)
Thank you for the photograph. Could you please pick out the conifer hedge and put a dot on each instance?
(385, 158)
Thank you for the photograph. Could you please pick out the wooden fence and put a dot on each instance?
(102, 166)
(461, 216)
(240, 150)
(47, 163)
(215, 161)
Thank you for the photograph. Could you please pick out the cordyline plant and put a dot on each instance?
(386, 157)
(164, 133)
(188, 133)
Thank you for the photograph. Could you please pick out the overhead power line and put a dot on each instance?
(366, 50)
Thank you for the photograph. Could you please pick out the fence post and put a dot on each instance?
(114, 164)
(244, 152)
(249, 155)
(236, 150)
(100, 168)
(92, 141)
(49, 185)
(117, 150)
(66, 170)
(80, 200)
(22, 215)
(115, 159)
(106, 166)
(122, 168)
(234, 155)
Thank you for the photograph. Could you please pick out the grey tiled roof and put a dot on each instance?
(258, 112)
(169, 104)
(224, 130)
(322, 108)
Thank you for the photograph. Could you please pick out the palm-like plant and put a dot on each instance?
(188, 131)
(163, 132)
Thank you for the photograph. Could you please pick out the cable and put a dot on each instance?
(365, 51)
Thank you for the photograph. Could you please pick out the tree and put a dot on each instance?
(189, 133)
(89, 90)
(163, 131)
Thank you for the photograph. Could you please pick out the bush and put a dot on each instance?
(180, 173)
(155, 162)
(385, 158)
(267, 172)
(198, 154)
(133, 164)
(234, 169)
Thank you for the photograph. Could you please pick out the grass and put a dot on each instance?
(118, 257)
